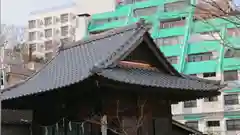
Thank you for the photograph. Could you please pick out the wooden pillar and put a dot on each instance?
(35, 127)
(162, 118)
(147, 128)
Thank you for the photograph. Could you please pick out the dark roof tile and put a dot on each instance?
(75, 63)
(154, 79)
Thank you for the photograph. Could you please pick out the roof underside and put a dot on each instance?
(76, 63)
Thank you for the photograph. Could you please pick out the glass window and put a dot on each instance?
(211, 99)
(233, 124)
(48, 33)
(231, 75)
(32, 24)
(214, 123)
(172, 23)
(209, 74)
(173, 59)
(190, 104)
(233, 32)
(169, 40)
(48, 21)
(64, 31)
(64, 18)
(144, 11)
(200, 57)
(32, 36)
(231, 99)
(192, 124)
(176, 6)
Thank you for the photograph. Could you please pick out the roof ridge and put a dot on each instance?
(138, 25)
(107, 34)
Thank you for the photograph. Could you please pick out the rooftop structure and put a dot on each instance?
(109, 81)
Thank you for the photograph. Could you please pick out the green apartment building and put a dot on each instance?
(193, 46)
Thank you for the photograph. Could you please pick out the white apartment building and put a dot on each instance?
(49, 28)
(219, 115)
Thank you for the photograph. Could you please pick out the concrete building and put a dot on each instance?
(193, 47)
(49, 28)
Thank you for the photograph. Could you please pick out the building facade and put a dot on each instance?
(49, 28)
(197, 47)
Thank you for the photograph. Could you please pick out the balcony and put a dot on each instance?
(213, 104)
(206, 66)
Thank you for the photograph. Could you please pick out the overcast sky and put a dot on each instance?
(17, 11)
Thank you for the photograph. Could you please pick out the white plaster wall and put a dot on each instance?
(95, 6)
(81, 29)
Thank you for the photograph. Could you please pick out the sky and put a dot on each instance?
(17, 11)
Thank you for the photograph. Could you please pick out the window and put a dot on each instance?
(233, 124)
(64, 41)
(190, 104)
(231, 99)
(231, 53)
(169, 40)
(48, 45)
(233, 32)
(100, 21)
(48, 33)
(64, 30)
(107, 20)
(200, 57)
(124, 2)
(176, 6)
(172, 23)
(210, 74)
(144, 11)
(64, 18)
(215, 123)
(205, 36)
(192, 124)
(33, 47)
(32, 36)
(211, 99)
(173, 59)
(32, 24)
(231, 75)
(211, 35)
(48, 21)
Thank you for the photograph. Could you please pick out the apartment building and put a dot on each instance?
(193, 47)
(49, 28)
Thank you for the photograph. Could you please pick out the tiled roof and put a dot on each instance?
(79, 61)
(154, 79)
(75, 63)
(185, 127)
